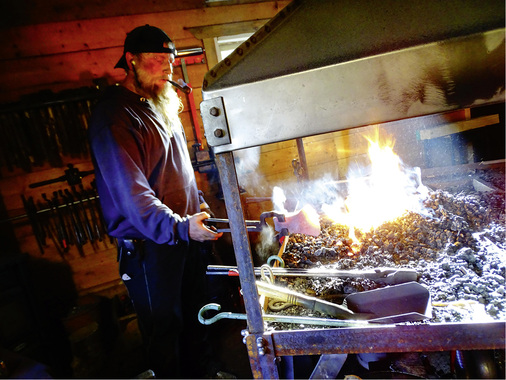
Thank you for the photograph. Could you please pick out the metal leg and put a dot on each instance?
(260, 349)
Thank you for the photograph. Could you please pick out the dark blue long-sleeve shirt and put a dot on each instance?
(144, 176)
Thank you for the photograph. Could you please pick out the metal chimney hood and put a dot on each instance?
(326, 65)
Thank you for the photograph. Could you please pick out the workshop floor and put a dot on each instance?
(123, 358)
(126, 361)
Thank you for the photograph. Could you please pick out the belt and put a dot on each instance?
(130, 246)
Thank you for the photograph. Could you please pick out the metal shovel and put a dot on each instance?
(406, 302)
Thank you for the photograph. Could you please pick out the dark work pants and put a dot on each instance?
(167, 285)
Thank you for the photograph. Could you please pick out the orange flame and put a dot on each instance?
(384, 195)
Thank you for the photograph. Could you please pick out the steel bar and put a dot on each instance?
(262, 366)
(240, 240)
(399, 338)
(388, 276)
(262, 356)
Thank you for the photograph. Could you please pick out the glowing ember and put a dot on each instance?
(385, 194)
(305, 221)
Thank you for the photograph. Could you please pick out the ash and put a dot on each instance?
(458, 249)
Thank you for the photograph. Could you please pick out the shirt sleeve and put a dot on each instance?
(129, 200)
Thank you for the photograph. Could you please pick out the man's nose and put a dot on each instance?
(168, 68)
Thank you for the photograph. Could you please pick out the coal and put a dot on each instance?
(458, 248)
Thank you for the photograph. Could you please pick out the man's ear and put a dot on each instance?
(130, 59)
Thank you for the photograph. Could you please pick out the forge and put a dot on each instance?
(350, 66)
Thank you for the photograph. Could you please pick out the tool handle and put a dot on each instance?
(251, 225)
(299, 299)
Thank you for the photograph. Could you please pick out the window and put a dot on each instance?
(227, 44)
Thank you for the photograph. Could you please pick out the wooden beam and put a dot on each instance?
(104, 33)
(211, 52)
(462, 169)
(228, 29)
(459, 126)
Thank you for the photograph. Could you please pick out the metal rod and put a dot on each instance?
(302, 158)
(399, 338)
(384, 275)
(240, 240)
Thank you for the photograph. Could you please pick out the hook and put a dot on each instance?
(217, 317)
(264, 277)
(278, 318)
(276, 258)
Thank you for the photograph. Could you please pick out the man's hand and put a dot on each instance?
(199, 231)
(204, 207)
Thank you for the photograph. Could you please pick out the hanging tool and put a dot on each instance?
(98, 209)
(37, 227)
(49, 227)
(77, 236)
(82, 214)
(72, 175)
(94, 220)
(191, 101)
(59, 226)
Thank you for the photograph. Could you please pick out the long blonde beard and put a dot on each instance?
(166, 102)
(168, 105)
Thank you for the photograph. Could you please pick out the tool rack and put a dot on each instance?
(248, 102)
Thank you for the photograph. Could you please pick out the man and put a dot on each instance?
(151, 204)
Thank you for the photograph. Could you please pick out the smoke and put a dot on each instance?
(246, 165)
(278, 199)
(268, 245)
(371, 195)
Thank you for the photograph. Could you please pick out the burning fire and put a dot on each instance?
(386, 193)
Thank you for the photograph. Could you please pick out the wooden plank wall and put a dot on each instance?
(80, 48)
(70, 46)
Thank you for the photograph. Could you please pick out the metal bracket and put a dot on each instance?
(329, 366)
(215, 121)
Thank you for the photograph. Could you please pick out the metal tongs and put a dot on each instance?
(388, 276)
(251, 225)
(304, 221)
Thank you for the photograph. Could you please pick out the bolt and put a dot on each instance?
(219, 132)
(214, 111)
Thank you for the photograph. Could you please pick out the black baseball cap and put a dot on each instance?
(145, 39)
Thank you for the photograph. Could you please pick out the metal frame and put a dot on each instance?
(253, 98)
(264, 348)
